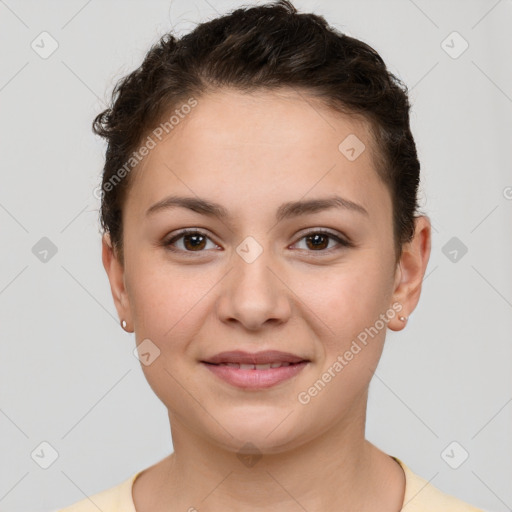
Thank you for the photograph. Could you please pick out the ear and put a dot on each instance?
(115, 272)
(410, 271)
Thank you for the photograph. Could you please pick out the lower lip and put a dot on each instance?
(255, 379)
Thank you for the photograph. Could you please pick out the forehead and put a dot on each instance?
(277, 118)
(261, 144)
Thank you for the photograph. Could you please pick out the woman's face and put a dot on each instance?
(254, 280)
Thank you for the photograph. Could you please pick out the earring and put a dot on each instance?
(124, 325)
(403, 318)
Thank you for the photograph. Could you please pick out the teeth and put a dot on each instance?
(266, 366)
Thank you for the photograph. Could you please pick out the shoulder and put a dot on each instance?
(421, 496)
(115, 499)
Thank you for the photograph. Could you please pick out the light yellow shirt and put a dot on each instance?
(420, 496)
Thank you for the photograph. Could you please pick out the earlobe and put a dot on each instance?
(115, 273)
(411, 271)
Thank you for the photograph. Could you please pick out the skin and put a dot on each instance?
(251, 153)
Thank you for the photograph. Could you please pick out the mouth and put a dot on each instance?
(242, 366)
(272, 357)
(257, 370)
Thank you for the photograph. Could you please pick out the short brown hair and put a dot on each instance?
(264, 47)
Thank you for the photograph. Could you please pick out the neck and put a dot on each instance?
(338, 470)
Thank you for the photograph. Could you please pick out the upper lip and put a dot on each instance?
(264, 357)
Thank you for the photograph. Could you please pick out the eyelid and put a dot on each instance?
(168, 241)
(342, 240)
(326, 231)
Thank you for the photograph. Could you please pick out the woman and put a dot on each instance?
(261, 234)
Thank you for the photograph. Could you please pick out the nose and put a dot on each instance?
(254, 294)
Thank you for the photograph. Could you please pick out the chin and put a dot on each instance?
(259, 431)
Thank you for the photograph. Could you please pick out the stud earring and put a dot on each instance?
(124, 324)
(403, 318)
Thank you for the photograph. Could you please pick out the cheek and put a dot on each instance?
(169, 302)
(352, 331)
(347, 298)
(167, 306)
(165, 300)
(172, 305)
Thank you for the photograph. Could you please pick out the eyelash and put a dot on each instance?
(343, 243)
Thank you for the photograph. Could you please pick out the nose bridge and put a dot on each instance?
(252, 273)
(253, 293)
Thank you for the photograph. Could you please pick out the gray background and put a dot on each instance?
(68, 374)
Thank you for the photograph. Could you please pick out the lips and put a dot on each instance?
(255, 371)
(258, 360)
(242, 366)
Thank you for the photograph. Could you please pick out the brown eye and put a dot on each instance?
(318, 241)
(192, 241)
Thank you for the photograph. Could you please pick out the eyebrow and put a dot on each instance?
(285, 211)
